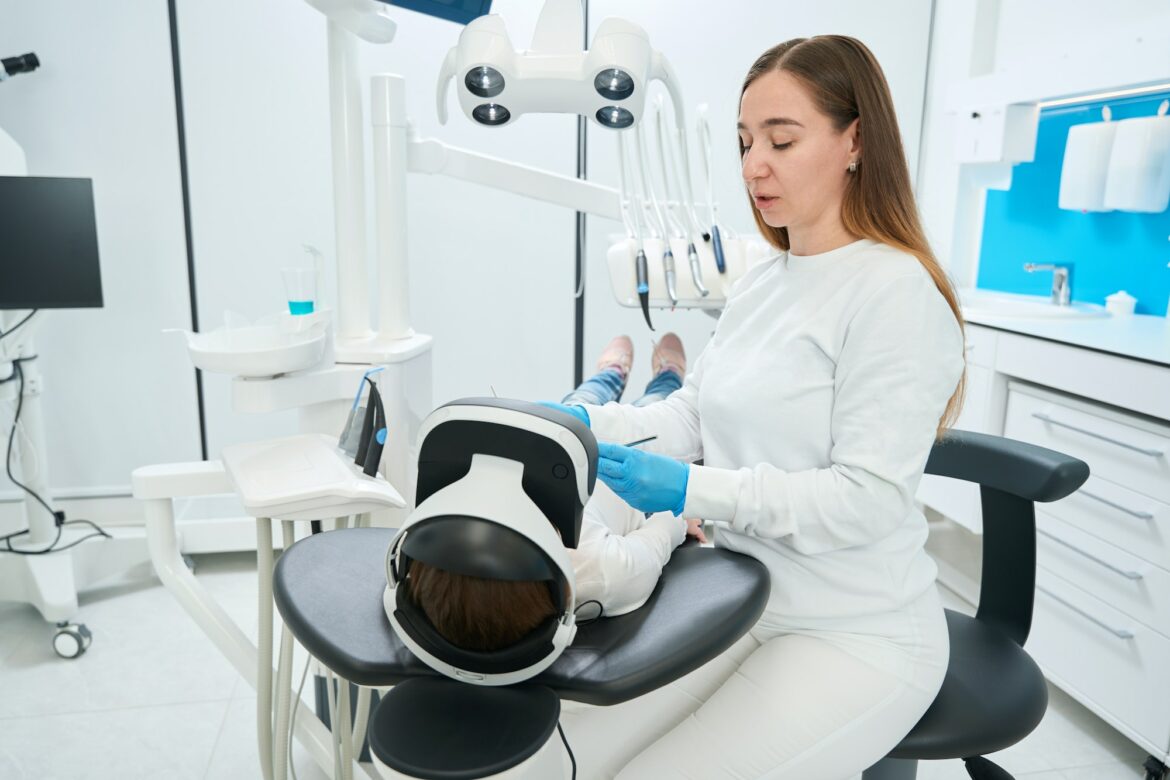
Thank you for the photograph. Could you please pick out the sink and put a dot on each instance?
(989, 303)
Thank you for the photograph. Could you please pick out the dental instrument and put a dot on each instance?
(636, 442)
(704, 132)
(641, 272)
(667, 161)
(656, 210)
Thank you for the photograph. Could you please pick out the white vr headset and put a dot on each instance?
(501, 489)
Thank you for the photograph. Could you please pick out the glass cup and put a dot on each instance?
(300, 286)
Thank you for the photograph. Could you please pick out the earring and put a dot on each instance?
(853, 167)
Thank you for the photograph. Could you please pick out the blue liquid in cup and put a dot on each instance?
(300, 307)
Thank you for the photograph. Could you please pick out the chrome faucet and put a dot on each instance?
(1061, 280)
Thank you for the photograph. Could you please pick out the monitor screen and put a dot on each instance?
(461, 11)
(48, 244)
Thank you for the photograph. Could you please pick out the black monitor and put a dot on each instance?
(48, 244)
(461, 11)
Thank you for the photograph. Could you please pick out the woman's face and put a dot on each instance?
(794, 163)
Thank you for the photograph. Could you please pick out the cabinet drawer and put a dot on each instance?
(1131, 456)
(1132, 586)
(1136, 523)
(1074, 636)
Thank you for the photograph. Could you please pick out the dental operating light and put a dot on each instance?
(496, 84)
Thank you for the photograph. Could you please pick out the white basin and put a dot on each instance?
(989, 303)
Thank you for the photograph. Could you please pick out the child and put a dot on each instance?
(619, 555)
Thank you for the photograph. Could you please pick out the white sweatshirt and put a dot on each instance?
(814, 408)
(621, 552)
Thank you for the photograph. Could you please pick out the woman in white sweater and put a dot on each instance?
(814, 407)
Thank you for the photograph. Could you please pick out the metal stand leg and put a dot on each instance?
(264, 646)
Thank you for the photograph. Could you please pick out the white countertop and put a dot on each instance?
(1140, 336)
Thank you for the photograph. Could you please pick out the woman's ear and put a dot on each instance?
(853, 133)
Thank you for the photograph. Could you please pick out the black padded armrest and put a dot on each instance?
(1015, 467)
(328, 588)
(1011, 475)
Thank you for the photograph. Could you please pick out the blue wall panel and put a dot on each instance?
(1109, 251)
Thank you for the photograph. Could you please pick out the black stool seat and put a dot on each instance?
(439, 729)
(328, 588)
(993, 696)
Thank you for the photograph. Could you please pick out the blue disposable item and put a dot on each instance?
(577, 411)
(300, 307)
(644, 480)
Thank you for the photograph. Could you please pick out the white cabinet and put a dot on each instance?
(1102, 621)
(997, 133)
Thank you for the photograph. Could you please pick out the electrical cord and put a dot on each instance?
(587, 621)
(572, 758)
(14, 328)
(58, 517)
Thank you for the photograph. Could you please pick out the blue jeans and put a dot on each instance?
(608, 385)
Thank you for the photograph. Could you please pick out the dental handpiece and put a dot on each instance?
(717, 244)
(643, 278)
(671, 280)
(696, 272)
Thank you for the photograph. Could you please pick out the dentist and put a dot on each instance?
(833, 368)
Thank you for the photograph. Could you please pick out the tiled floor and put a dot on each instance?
(153, 698)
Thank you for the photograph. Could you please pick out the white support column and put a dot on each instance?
(349, 202)
(388, 109)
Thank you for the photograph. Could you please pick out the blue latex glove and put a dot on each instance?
(644, 480)
(577, 411)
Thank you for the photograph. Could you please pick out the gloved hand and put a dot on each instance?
(577, 411)
(644, 480)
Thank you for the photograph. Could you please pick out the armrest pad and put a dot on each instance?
(1015, 467)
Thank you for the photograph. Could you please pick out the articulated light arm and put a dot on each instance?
(433, 156)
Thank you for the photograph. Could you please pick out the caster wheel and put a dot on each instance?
(189, 562)
(71, 640)
(1155, 769)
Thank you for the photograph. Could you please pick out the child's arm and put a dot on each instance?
(621, 553)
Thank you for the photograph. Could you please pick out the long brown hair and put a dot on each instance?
(846, 83)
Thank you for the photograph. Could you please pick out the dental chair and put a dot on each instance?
(330, 588)
(492, 476)
(994, 694)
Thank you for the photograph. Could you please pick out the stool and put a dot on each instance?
(432, 728)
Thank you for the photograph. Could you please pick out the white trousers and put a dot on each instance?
(821, 702)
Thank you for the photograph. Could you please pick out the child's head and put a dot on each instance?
(479, 614)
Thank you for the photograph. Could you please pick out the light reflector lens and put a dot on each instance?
(491, 114)
(614, 84)
(615, 117)
(484, 81)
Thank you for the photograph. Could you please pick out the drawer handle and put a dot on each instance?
(1107, 502)
(1129, 575)
(1154, 453)
(1120, 633)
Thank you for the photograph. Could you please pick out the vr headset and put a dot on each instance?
(501, 489)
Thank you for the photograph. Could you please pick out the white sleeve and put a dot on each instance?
(674, 420)
(620, 555)
(901, 359)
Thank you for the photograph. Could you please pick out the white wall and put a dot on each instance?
(711, 54)
(117, 392)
